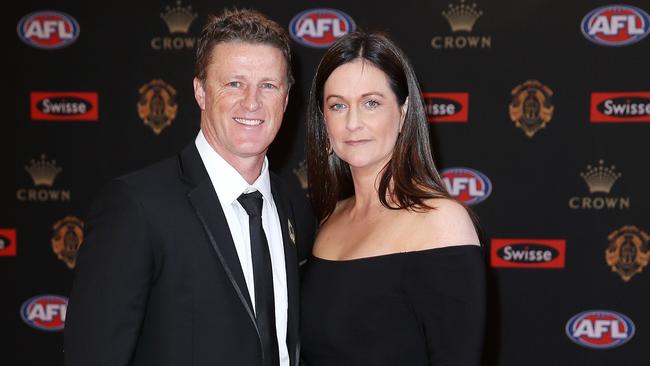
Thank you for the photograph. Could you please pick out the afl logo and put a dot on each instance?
(468, 185)
(48, 29)
(616, 25)
(600, 329)
(320, 28)
(45, 312)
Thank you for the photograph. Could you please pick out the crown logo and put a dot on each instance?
(462, 17)
(600, 178)
(178, 18)
(301, 173)
(43, 172)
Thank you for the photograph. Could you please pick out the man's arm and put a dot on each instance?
(112, 278)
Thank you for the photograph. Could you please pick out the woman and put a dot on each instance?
(397, 275)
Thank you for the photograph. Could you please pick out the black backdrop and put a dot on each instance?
(558, 199)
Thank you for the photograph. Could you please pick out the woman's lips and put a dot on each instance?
(357, 142)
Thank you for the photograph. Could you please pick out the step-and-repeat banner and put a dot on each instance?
(539, 113)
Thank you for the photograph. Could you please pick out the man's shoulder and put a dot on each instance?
(276, 179)
(285, 187)
(159, 172)
(151, 182)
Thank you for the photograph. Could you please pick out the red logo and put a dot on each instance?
(528, 253)
(64, 106)
(321, 27)
(600, 329)
(467, 185)
(446, 107)
(45, 312)
(620, 107)
(48, 29)
(616, 25)
(7, 242)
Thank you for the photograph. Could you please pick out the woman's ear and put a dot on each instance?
(404, 108)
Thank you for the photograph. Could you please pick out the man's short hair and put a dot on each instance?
(240, 25)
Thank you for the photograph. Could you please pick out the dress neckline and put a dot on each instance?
(439, 250)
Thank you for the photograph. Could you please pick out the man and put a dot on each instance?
(176, 268)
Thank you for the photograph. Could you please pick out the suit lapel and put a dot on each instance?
(206, 204)
(287, 223)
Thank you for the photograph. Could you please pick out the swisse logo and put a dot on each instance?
(48, 29)
(7, 242)
(446, 107)
(620, 107)
(64, 106)
(528, 253)
(320, 28)
(616, 25)
(600, 329)
(468, 185)
(45, 312)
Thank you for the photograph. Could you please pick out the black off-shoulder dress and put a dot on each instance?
(414, 308)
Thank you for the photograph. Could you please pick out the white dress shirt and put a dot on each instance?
(229, 185)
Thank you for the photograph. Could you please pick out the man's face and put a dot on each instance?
(242, 99)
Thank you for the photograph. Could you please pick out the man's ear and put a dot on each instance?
(286, 101)
(199, 93)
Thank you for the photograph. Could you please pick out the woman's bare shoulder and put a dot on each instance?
(447, 224)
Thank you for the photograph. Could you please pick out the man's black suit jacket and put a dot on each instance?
(158, 280)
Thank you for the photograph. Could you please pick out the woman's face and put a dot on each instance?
(362, 115)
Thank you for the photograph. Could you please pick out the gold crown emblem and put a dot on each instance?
(600, 178)
(462, 17)
(178, 18)
(43, 172)
(301, 173)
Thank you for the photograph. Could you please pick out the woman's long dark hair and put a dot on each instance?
(410, 177)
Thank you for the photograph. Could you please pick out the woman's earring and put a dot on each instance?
(328, 147)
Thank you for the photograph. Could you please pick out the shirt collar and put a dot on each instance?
(227, 181)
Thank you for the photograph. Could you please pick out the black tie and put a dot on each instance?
(263, 277)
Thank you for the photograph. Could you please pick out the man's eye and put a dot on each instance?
(269, 86)
(234, 84)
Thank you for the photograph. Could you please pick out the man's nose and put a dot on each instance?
(251, 99)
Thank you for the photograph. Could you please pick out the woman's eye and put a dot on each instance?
(337, 107)
(372, 104)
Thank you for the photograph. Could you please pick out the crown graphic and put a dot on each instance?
(178, 18)
(43, 172)
(462, 17)
(600, 178)
(301, 173)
